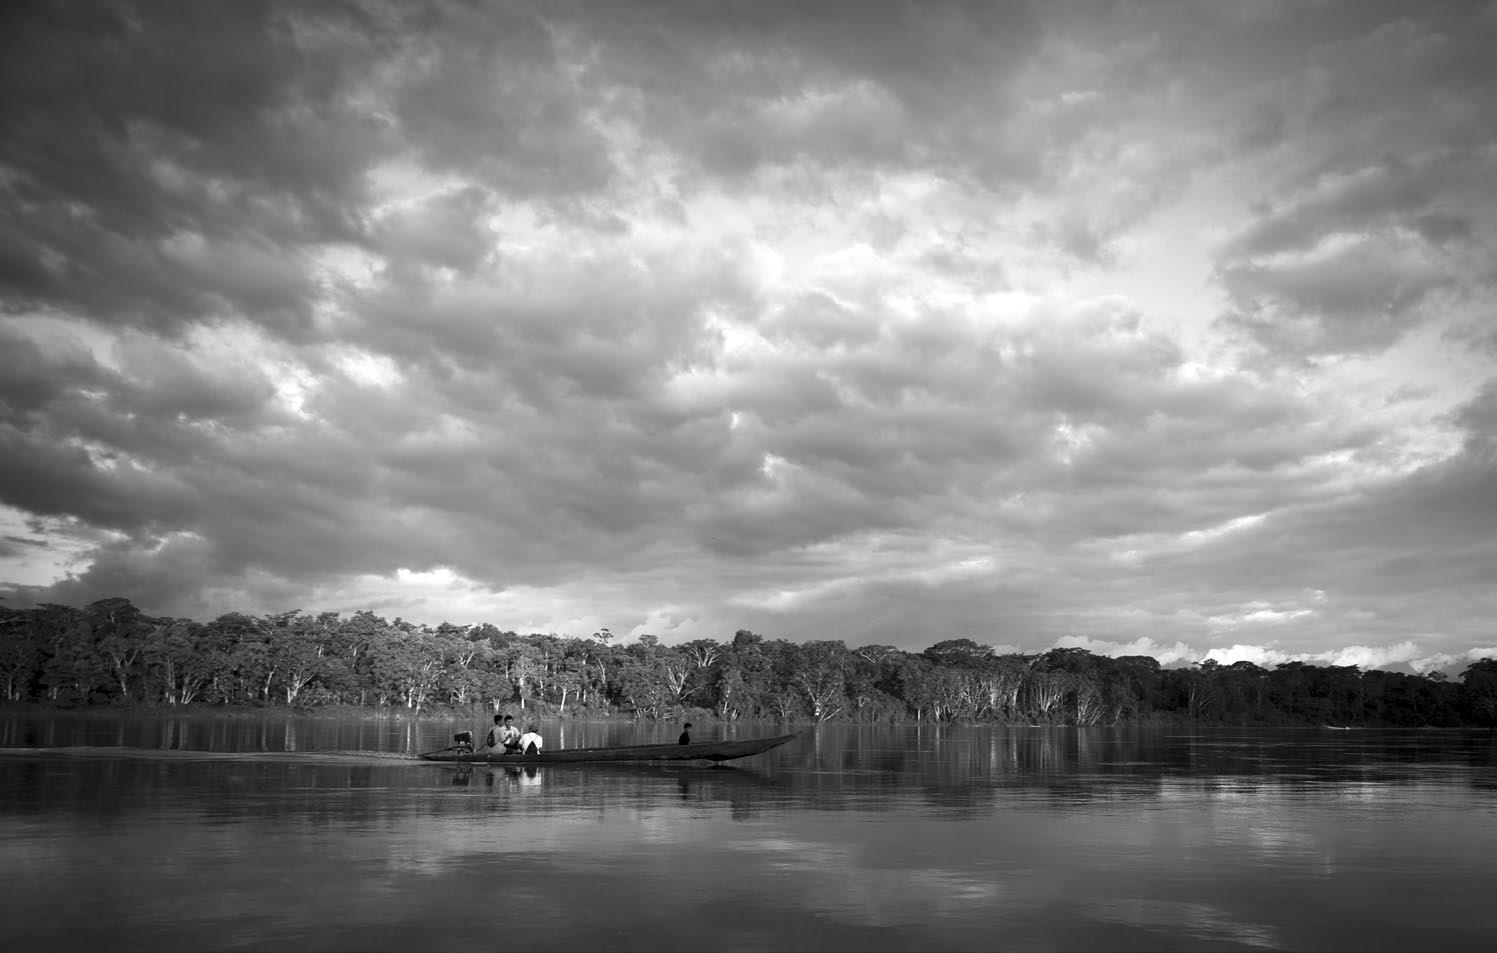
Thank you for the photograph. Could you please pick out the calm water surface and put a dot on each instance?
(295, 833)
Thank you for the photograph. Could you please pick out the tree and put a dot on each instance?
(746, 676)
(1244, 688)
(702, 652)
(184, 660)
(118, 630)
(676, 671)
(599, 660)
(997, 683)
(732, 692)
(864, 675)
(1202, 696)
(1136, 683)
(524, 664)
(875, 654)
(20, 654)
(405, 666)
(299, 660)
(1289, 689)
(73, 667)
(566, 682)
(1090, 708)
(822, 676)
(958, 652)
(642, 681)
(122, 652)
(919, 686)
(570, 671)
(1479, 684)
(1044, 692)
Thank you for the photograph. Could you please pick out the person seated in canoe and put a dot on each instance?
(491, 740)
(504, 734)
(511, 737)
(530, 741)
(686, 734)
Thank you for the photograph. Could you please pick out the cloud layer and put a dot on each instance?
(1161, 328)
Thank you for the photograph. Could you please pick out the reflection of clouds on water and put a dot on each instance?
(796, 855)
(1177, 918)
(949, 890)
(1274, 840)
(1247, 819)
(834, 880)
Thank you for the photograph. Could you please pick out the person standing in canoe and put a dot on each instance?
(530, 741)
(686, 734)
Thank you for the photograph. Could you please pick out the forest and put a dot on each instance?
(110, 653)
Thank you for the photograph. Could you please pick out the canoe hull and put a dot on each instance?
(696, 751)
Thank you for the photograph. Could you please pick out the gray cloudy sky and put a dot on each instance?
(1161, 328)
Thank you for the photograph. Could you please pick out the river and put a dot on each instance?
(279, 832)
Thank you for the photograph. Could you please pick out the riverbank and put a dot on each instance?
(475, 713)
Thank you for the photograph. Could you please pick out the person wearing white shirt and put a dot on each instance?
(509, 735)
(530, 741)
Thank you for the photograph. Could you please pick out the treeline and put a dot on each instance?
(109, 652)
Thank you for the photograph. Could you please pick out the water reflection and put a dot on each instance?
(961, 772)
(462, 775)
(216, 834)
(1202, 922)
(620, 783)
(280, 730)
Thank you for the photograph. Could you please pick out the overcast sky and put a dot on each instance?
(1147, 328)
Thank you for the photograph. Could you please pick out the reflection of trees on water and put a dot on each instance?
(952, 771)
(967, 768)
(218, 731)
(100, 789)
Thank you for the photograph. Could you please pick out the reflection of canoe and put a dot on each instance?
(697, 750)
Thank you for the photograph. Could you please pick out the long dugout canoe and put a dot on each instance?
(696, 751)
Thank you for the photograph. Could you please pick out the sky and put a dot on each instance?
(1146, 328)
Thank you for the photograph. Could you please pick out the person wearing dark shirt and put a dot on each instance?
(686, 735)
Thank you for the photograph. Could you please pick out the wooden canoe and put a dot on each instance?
(696, 751)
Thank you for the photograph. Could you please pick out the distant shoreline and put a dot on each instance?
(482, 716)
(483, 712)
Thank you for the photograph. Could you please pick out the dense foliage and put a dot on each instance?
(110, 652)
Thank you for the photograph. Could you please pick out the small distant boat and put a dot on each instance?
(695, 751)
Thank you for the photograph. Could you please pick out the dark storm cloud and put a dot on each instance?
(162, 161)
(483, 90)
(1377, 221)
(444, 230)
(740, 85)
